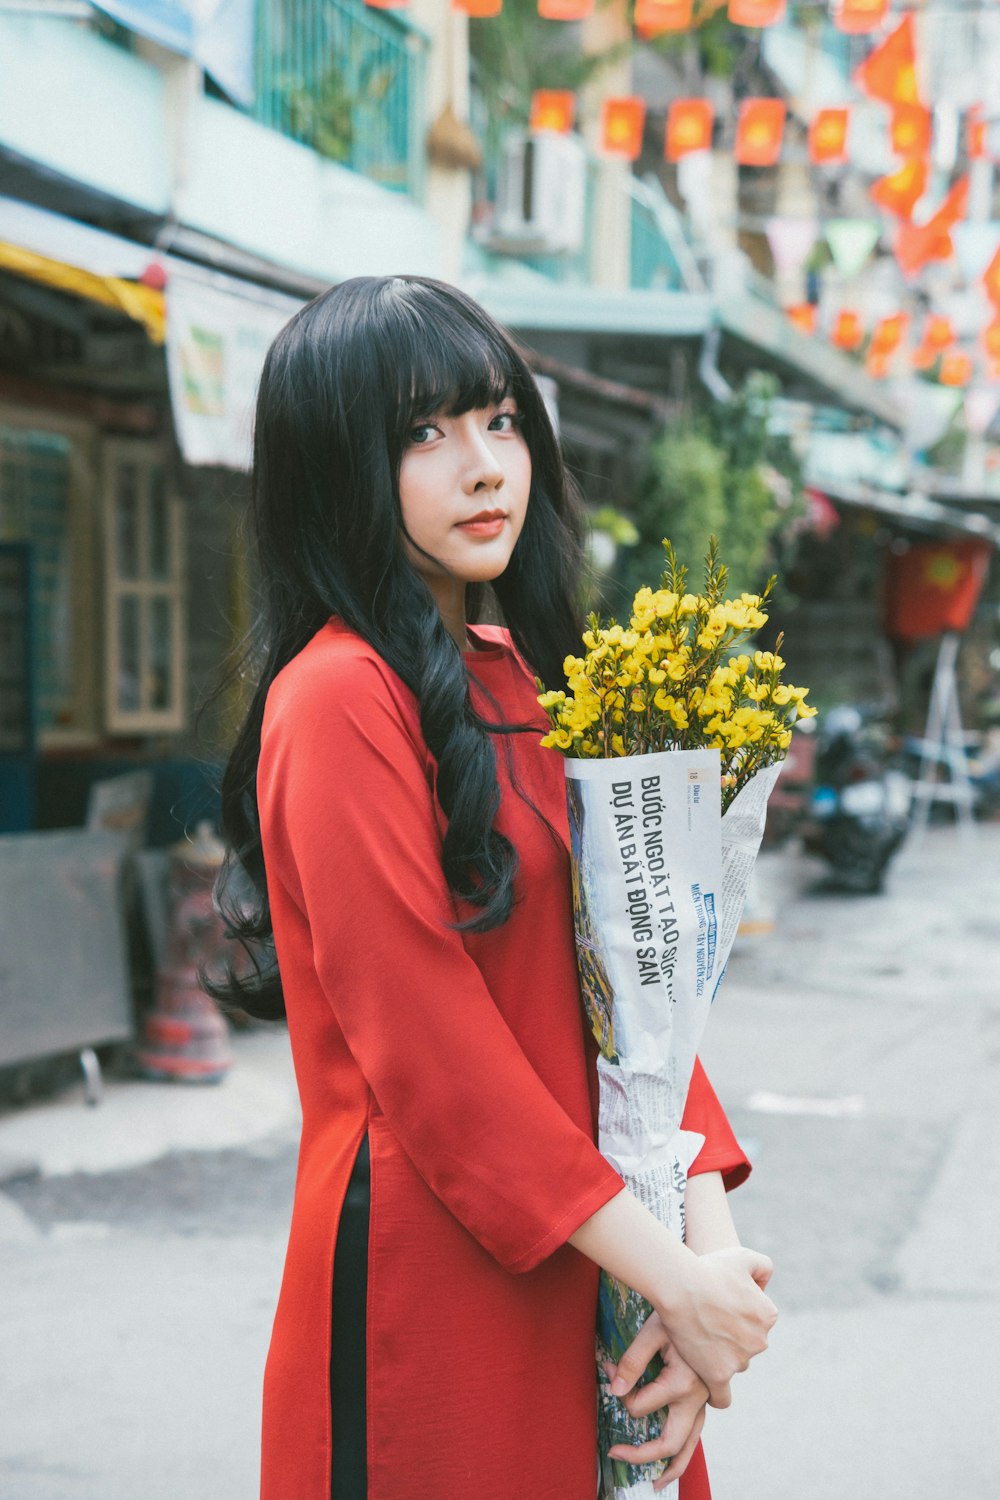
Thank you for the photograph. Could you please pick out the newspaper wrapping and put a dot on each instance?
(659, 881)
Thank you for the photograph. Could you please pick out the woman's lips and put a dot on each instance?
(489, 523)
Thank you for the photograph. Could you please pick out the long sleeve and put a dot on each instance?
(721, 1152)
(351, 831)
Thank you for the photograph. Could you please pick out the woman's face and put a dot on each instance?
(463, 487)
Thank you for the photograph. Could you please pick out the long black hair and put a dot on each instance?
(342, 386)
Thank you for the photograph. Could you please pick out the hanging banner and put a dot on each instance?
(759, 130)
(889, 72)
(218, 34)
(216, 342)
(851, 242)
(553, 109)
(828, 135)
(622, 123)
(689, 128)
(790, 241)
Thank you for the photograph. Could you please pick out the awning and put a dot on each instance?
(553, 306)
(142, 303)
(913, 510)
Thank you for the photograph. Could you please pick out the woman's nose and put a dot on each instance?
(483, 467)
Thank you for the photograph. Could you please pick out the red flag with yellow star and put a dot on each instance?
(933, 587)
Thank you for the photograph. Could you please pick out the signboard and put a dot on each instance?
(216, 343)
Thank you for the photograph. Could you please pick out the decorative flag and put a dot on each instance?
(901, 191)
(938, 335)
(756, 12)
(802, 315)
(889, 72)
(975, 134)
(565, 10)
(480, 10)
(847, 330)
(956, 369)
(689, 128)
(622, 122)
(911, 130)
(877, 364)
(828, 135)
(888, 334)
(851, 241)
(653, 16)
(916, 244)
(858, 16)
(553, 109)
(790, 241)
(991, 339)
(991, 281)
(759, 131)
(933, 587)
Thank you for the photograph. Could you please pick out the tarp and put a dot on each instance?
(218, 34)
(142, 303)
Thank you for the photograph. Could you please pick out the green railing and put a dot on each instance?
(348, 81)
(653, 263)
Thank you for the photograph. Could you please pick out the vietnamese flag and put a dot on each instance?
(553, 109)
(565, 10)
(933, 587)
(689, 128)
(901, 191)
(755, 12)
(991, 339)
(858, 16)
(889, 72)
(802, 315)
(975, 134)
(991, 280)
(956, 369)
(653, 16)
(848, 332)
(479, 9)
(759, 130)
(911, 130)
(622, 122)
(877, 364)
(888, 334)
(828, 135)
(916, 244)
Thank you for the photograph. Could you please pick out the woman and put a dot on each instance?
(388, 779)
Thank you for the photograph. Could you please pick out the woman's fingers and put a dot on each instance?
(633, 1364)
(676, 1440)
(681, 1460)
(675, 1382)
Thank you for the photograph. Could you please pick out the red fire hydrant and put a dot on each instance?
(185, 1036)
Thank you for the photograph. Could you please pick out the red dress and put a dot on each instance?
(465, 1059)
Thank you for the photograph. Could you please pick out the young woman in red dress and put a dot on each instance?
(404, 836)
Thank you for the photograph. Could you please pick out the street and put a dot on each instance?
(857, 1049)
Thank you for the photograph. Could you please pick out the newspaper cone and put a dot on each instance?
(659, 881)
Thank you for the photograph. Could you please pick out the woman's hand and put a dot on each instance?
(717, 1315)
(676, 1386)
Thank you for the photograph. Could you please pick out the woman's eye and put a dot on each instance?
(422, 433)
(509, 418)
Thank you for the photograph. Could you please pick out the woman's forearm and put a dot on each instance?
(708, 1222)
(628, 1242)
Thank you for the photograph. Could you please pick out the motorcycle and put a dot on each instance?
(859, 808)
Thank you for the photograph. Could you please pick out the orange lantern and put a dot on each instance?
(653, 16)
(888, 334)
(565, 10)
(622, 122)
(889, 72)
(759, 131)
(689, 128)
(911, 130)
(553, 109)
(956, 369)
(975, 134)
(901, 191)
(802, 315)
(858, 16)
(828, 135)
(756, 12)
(991, 281)
(847, 330)
(991, 339)
(479, 9)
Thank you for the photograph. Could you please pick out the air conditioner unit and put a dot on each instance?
(541, 195)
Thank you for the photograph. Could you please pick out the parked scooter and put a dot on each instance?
(859, 808)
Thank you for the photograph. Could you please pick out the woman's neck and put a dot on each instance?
(449, 596)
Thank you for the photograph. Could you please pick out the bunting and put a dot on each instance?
(828, 135)
(956, 370)
(889, 73)
(802, 315)
(622, 123)
(655, 16)
(888, 334)
(848, 332)
(565, 10)
(553, 109)
(910, 131)
(756, 12)
(901, 191)
(759, 131)
(851, 241)
(991, 281)
(689, 128)
(917, 244)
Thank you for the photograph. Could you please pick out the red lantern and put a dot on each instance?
(479, 9)
(689, 128)
(756, 12)
(888, 334)
(655, 16)
(565, 10)
(828, 135)
(802, 315)
(759, 131)
(890, 72)
(911, 130)
(991, 281)
(622, 122)
(901, 191)
(847, 330)
(553, 109)
(956, 369)
(858, 16)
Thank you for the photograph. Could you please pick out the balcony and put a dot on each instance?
(347, 81)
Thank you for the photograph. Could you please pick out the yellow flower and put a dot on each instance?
(617, 745)
(550, 699)
(690, 604)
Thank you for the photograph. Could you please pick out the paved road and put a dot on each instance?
(858, 1050)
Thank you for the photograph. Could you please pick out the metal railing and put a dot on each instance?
(347, 81)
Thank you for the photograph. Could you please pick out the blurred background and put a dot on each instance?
(753, 253)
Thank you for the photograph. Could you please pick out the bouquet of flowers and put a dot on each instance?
(673, 743)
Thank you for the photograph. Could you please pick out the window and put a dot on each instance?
(144, 593)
